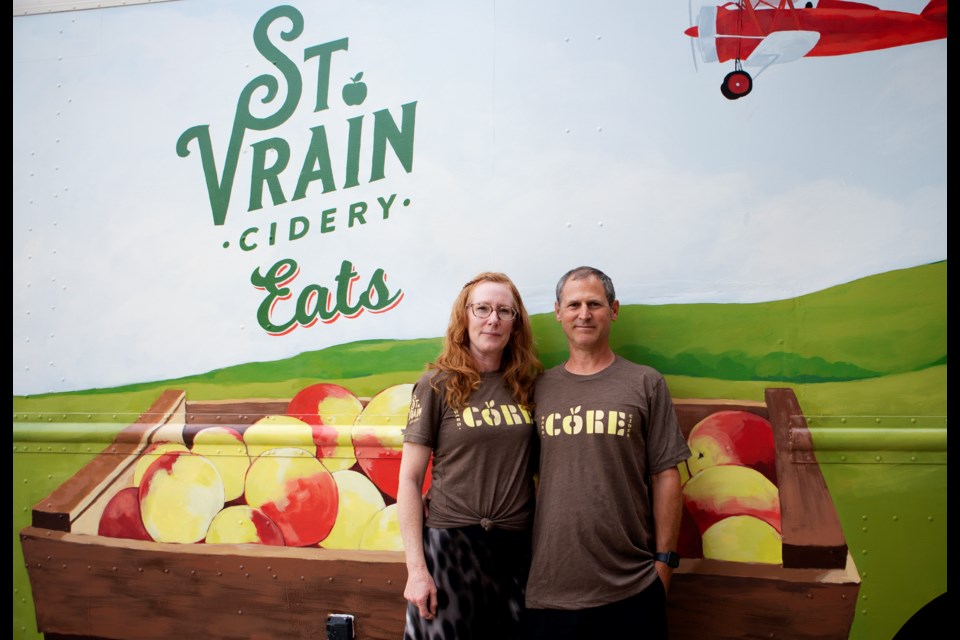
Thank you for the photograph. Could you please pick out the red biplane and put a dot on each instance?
(758, 33)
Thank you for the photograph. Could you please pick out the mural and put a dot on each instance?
(238, 226)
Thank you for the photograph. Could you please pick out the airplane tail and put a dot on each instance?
(935, 10)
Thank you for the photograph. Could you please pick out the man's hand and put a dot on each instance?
(664, 572)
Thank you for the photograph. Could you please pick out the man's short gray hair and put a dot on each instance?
(585, 272)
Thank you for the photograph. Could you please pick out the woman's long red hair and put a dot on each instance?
(519, 363)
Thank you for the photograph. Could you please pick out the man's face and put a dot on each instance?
(585, 314)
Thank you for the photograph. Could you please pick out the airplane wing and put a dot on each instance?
(782, 46)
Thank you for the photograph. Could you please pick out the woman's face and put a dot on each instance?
(489, 336)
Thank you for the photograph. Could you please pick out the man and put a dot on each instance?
(608, 503)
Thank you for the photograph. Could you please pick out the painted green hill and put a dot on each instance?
(886, 324)
(894, 322)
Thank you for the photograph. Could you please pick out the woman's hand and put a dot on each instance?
(422, 593)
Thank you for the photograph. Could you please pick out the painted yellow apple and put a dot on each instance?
(360, 501)
(224, 447)
(331, 411)
(731, 490)
(180, 494)
(382, 533)
(153, 452)
(242, 524)
(733, 437)
(278, 431)
(296, 491)
(121, 516)
(743, 539)
(378, 438)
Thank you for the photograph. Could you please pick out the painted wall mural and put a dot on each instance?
(238, 227)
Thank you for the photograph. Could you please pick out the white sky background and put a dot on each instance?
(548, 135)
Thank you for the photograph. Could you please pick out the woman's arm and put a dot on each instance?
(420, 589)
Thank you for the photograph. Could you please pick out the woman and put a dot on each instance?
(467, 567)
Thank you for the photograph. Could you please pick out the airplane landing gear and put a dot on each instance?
(736, 84)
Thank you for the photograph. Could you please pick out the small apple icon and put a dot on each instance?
(355, 92)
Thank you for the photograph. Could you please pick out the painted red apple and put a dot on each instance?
(242, 524)
(121, 516)
(360, 501)
(378, 438)
(733, 437)
(180, 494)
(277, 432)
(731, 490)
(331, 411)
(382, 532)
(224, 447)
(295, 491)
(743, 539)
(151, 453)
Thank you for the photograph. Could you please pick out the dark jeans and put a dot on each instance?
(642, 616)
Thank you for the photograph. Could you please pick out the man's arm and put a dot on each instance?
(667, 511)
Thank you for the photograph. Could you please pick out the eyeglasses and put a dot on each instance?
(482, 311)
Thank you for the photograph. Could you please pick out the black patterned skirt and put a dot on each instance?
(480, 576)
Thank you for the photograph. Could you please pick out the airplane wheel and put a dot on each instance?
(736, 84)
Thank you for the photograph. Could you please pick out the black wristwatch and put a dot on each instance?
(670, 558)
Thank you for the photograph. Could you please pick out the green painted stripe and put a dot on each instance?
(879, 439)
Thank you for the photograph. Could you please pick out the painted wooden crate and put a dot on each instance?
(91, 586)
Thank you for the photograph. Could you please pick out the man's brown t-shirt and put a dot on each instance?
(601, 436)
